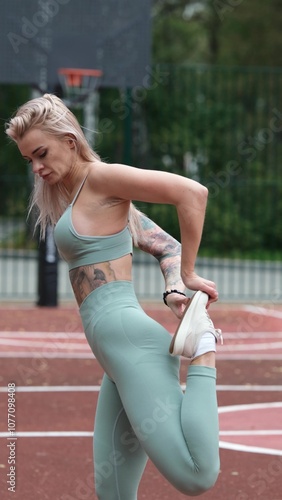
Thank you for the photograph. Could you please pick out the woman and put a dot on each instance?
(141, 410)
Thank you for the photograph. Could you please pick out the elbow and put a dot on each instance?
(203, 191)
(195, 195)
(201, 196)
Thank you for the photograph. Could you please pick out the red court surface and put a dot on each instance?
(44, 353)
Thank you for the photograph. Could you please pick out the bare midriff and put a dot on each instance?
(85, 279)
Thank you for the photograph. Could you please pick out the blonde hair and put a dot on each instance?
(49, 114)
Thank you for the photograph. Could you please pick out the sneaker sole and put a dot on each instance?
(178, 341)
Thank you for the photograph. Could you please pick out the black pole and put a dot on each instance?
(48, 271)
(127, 150)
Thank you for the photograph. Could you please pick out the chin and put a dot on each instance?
(50, 180)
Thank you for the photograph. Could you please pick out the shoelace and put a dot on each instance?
(217, 331)
(219, 335)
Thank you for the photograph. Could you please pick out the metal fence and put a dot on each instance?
(221, 126)
(237, 280)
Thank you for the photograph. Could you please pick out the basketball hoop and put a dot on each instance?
(80, 91)
(78, 83)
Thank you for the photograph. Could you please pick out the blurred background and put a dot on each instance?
(191, 87)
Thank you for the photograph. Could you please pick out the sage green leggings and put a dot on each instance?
(142, 412)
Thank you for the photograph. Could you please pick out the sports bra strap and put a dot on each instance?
(78, 191)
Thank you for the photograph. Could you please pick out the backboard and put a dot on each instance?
(37, 37)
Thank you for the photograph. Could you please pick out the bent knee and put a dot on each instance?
(201, 482)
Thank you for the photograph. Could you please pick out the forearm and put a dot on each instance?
(165, 248)
(170, 265)
(191, 218)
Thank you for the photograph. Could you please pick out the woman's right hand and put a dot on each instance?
(195, 282)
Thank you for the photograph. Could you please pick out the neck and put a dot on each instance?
(75, 177)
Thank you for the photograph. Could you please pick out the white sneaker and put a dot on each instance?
(194, 323)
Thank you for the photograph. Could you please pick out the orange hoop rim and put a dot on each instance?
(77, 78)
(80, 72)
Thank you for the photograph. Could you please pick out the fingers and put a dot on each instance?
(209, 287)
(177, 304)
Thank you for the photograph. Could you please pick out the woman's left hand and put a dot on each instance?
(177, 303)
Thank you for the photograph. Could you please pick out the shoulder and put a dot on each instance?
(100, 172)
(102, 180)
(106, 177)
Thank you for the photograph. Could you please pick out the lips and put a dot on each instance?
(45, 176)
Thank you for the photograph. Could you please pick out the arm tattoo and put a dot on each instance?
(167, 250)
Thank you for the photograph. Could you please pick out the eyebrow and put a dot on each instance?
(35, 151)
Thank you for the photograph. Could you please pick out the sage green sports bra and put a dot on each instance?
(79, 250)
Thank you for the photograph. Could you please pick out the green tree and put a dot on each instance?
(250, 34)
(14, 182)
(218, 32)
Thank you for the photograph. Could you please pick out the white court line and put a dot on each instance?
(251, 335)
(248, 357)
(47, 434)
(55, 388)
(51, 335)
(63, 345)
(81, 335)
(45, 344)
(21, 336)
(254, 406)
(90, 434)
(252, 347)
(222, 444)
(69, 345)
(96, 388)
(263, 311)
(246, 448)
(249, 388)
(252, 433)
(85, 346)
(89, 355)
(249, 449)
(48, 355)
(73, 434)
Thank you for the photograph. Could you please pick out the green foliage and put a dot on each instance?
(218, 32)
(176, 41)
(222, 127)
(241, 29)
(11, 97)
(164, 215)
(218, 123)
(114, 110)
(244, 220)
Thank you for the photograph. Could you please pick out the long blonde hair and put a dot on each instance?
(49, 114)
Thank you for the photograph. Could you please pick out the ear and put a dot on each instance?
(70, 140)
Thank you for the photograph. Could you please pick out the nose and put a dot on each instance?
(36, 167)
